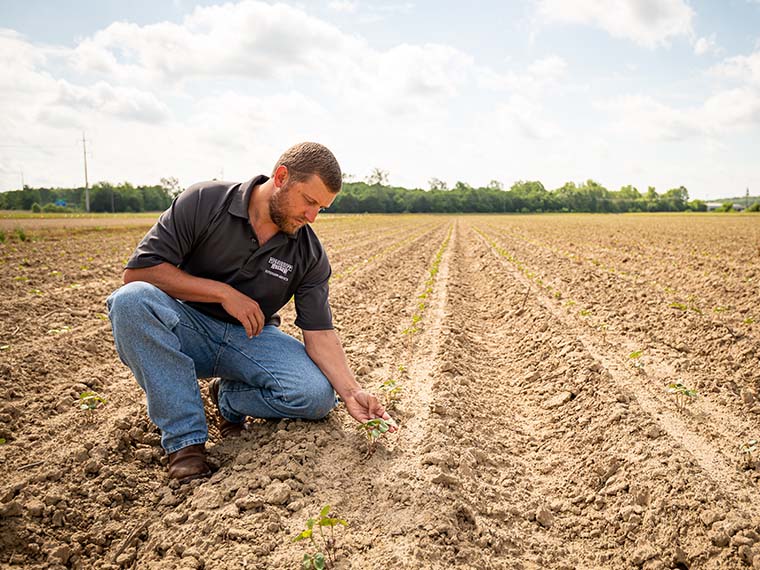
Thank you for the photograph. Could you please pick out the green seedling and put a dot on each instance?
(636, 361)
(749, 320)
(64, 329)
(584, 312)
(322, 554)
(35, 291)
(679, 306)
(749, 452)
(372, 430)
(392, 391)
(682, 394)
(2, 441)
(89, 402)
(21, 278)
(20, 234)
(5, 347)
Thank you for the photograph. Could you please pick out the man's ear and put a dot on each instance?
(280, 176)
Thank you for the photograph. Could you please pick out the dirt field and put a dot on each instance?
(537, 430)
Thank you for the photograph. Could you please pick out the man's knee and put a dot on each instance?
(131, 296)
(317, 400)
(133, 301)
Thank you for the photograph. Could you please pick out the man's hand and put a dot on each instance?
(246, 310)
(363, 407)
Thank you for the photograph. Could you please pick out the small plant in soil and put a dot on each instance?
(20, 234)
(323, 548)
(749, 452)
(392, 391)
(636, 361)
(88, 403)
(682, 394)
(373, 430)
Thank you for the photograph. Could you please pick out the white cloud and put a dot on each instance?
(649, 23)
(705, 45)
(550, 68)
(745, 68)
(729, 111)
(345, 6)
(527, 119)
(250, 38)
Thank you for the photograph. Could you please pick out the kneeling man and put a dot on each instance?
(200, 300)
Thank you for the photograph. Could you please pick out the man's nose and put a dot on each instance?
(311, 214)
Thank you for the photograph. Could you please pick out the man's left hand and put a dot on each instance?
(364, 407)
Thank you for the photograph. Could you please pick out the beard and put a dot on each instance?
(278, 210)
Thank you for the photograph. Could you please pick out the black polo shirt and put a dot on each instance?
(206, 232)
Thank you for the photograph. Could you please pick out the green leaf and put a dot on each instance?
(383, 427)
(319, 561)
(306, 564)
(325, 511)
(310, 523)
(303, 535)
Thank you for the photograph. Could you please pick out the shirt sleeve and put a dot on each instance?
(172, 238)
(311, 298)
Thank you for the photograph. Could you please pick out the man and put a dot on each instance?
(201, 296)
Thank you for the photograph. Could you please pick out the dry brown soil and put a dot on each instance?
(536, 427)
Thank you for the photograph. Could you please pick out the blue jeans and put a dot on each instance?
(169, 345)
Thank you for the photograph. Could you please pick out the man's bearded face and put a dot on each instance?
(282, 207)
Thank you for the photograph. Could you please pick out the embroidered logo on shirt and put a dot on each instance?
(279, 265)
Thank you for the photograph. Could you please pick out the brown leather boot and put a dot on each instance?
(227, 428)
(189, 463)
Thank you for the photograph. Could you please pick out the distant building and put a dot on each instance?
(712, 206)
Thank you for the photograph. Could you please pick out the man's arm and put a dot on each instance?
(181, 285)
(325, 349)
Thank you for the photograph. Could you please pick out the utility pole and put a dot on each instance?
(22, 179)
(86, 181)
(746, 198)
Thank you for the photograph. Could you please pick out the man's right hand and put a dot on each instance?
(246, 310)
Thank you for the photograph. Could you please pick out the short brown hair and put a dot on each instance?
(308, 158)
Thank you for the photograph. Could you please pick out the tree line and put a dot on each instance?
(377, 196)
(523, 197)
(104, 197)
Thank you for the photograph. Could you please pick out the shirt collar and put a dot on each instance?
(239, 205)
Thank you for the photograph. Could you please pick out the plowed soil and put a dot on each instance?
(533, 356)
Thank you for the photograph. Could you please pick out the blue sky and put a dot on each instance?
(644, 92)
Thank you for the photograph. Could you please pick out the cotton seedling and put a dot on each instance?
(372, 430)
(323, 552)
(89, 402)
(636, 361)
(682, 394)
(749, 453)
(392, 391)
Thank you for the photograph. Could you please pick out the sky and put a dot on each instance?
(659, 93)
